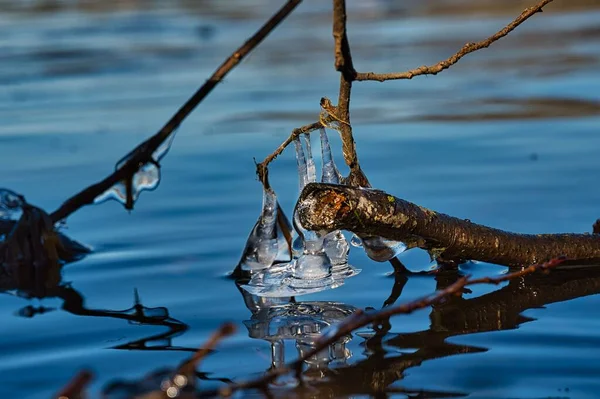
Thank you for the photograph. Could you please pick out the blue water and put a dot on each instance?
(508, 137)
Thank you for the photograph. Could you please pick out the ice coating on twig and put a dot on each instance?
(146, 178)
(262, 245)
(11, 204)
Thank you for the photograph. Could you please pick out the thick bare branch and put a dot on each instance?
(367, 212)
(143, 152)
(466, 49)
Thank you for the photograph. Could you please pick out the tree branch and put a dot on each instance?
(343, 64)
(142, 154)
(466, 49)
(372, 212)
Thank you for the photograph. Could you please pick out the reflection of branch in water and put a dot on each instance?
(138, 314)
(496, 311)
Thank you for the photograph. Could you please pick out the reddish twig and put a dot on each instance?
(76, 387)
(466, 49)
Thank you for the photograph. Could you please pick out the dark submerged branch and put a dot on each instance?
(466, 49)
(142, 154)
(367, 212)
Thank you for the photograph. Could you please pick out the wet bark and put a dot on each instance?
(327, 207)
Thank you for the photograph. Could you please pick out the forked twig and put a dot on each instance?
(466, 49)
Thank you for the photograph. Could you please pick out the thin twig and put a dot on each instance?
(361, 319)
(191, 364)
(142, 154)
(343, 64)
(466, 49)
(295, 133)
(76, 387)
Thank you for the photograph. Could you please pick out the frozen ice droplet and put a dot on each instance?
(262, 245)
(381, 250)
(146, 178)
(11, 204)
(355, 241)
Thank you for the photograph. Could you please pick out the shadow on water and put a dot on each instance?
(41, 280)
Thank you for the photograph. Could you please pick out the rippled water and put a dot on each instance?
(508, 137)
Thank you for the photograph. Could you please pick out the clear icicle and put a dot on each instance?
(302, 235)
(312, 269)
(311, 172)
(330, 172)
(262, 246)
(301, 161)
(147, 178)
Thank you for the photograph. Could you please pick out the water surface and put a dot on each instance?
(508, 137)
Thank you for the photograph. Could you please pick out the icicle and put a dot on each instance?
(335, 244)
(311, 172)
(330, 172)
(302, 235)
(262, 246)
(312, 269)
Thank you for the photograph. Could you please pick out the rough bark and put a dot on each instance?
(327, 207)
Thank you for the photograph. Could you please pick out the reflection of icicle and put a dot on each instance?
(262, 246)
(146, 178)
(11, 204)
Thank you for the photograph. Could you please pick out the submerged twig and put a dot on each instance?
(142, 154)
(466, 49)
(76, 387)
(367, 212)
